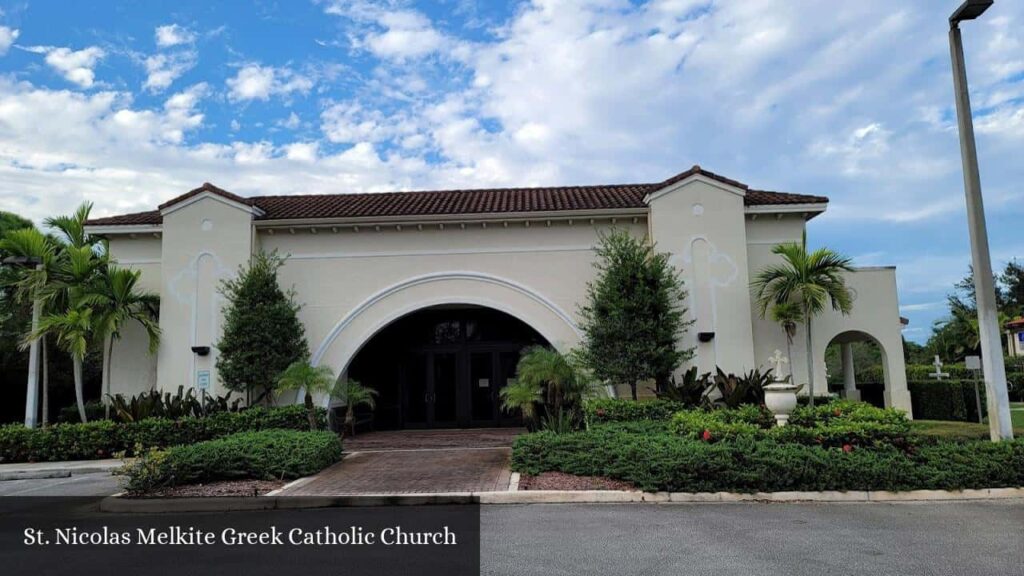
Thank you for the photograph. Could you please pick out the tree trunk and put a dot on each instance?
(632, 389)
(810, 363)
(789, 355)
(108, 367)
(77, 370)
(310, 412)
(46, 384)
(350, 419)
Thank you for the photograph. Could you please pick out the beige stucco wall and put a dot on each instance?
(204, 243)
(875, 313)
(351, 283)
(701, 223)
(134, 368)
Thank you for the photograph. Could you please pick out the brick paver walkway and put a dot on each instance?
(416, 462)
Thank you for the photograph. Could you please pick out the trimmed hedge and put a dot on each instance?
(601, 410)
(104, 438)
(669, 462)
(262, 455)
(946, 400)
(957, 372)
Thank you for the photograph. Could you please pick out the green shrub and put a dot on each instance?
(599, 410)
(711, 426)
(945, 400)
(836, 424)
(103, 438)
(261, 455)
(94, 410)
(680, 464)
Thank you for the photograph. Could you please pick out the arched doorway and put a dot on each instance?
(443, 367)
(857, 368)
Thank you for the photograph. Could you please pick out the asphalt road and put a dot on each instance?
(96, 484)
(980, 538)
(906, 539)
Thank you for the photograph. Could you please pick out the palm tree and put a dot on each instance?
(811, 281)
(301, 375)
(117, 300)
(788, 315)
(554, 374)
(354, 395)
(31, 284)
(522, 395)
(72, 330)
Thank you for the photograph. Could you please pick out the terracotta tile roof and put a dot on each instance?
(449, 202)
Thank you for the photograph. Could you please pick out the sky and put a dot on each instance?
(128, 104)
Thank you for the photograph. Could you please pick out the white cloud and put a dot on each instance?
(75, 65)
(163, 69)
(7, 38)
(406, 34)
(257, 82)
(173, 35)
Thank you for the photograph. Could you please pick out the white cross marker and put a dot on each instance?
(938, 374)
(778, 360)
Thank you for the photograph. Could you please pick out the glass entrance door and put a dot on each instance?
(482, 388)
(444, 389)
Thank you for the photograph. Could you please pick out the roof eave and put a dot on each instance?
(638, 212)
(809, 209)
(116, 229)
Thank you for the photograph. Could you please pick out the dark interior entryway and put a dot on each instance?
(443, 367)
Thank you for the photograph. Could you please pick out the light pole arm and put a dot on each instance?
(984, 285)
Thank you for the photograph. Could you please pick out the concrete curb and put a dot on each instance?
(26, 471)
(34, 474)
(119, 504)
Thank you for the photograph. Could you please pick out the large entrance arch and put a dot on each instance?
(539, 312)
(443, 367)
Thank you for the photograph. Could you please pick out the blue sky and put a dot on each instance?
(129, 103)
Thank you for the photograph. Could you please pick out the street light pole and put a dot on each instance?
(32, 389)
(984, 286)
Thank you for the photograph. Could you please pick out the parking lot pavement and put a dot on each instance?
(93, 484)
(905, 539)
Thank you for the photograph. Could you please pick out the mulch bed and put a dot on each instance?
(226, 488)
(562, 481)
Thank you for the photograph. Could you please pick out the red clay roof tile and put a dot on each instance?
(450, 202)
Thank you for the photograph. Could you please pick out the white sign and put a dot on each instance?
(484, 383)
(203, 380)
(973, 362)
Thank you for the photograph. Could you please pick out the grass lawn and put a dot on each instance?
(964, 430)
(1017, 414)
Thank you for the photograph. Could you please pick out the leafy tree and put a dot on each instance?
(956, 335)
(262, 333)
(633, 318)
(1012, 280)
(811, 280)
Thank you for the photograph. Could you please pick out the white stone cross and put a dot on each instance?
(938, 374)
(778, 360)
